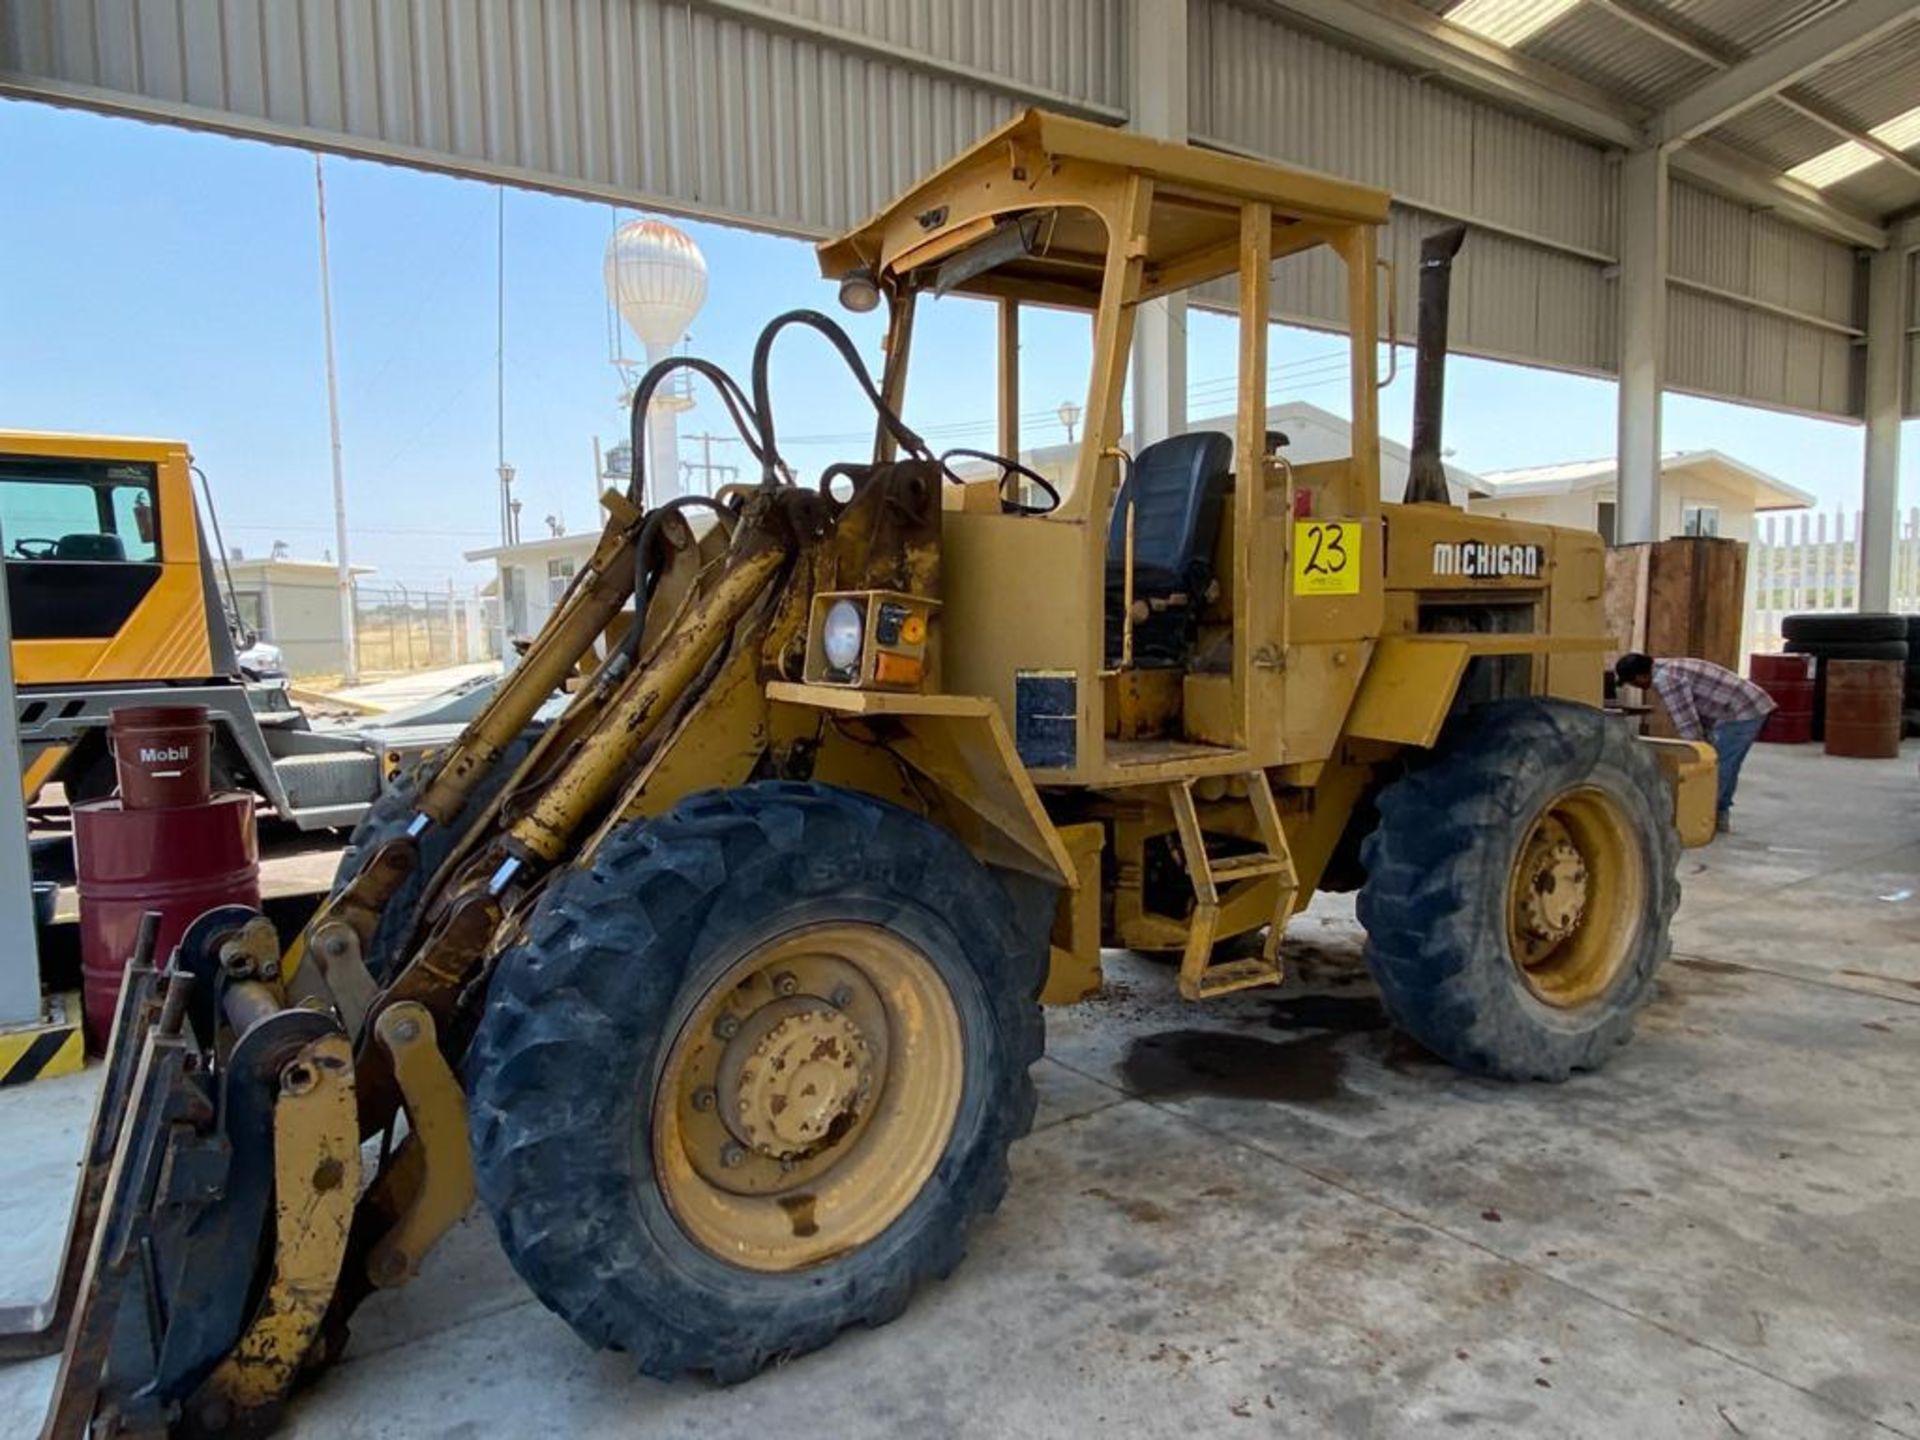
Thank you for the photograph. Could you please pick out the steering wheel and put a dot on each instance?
(43, 549)
(1008, 470)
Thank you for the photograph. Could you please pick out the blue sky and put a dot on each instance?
(168, 286)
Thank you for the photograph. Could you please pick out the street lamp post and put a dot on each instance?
(1069, 414)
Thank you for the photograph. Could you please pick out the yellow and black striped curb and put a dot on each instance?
(53, 1047)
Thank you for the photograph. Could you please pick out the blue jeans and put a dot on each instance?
(1731, 739)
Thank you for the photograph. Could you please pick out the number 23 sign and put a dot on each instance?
(1326, 557)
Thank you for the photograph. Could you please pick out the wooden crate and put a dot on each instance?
(1677, 597)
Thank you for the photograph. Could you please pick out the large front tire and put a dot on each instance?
(751, 1073)
(1519, 890)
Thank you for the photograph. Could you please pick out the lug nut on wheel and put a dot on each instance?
(784, 983)
(731, 1155)
(841, 997)
(703, 1098)
(726, 1027)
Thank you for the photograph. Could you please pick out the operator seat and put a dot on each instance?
(85, 546)
(1177, 488)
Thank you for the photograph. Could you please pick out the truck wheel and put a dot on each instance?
(387, 819)
(1519, 889)
(751, 1073)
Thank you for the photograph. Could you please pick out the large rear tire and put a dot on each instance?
(1519, 890)
(751, 1073)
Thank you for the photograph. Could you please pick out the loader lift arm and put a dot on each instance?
(221, 1207)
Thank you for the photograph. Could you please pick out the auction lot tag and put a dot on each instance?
(1326, 557)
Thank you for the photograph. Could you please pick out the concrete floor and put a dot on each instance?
(1272, 1215)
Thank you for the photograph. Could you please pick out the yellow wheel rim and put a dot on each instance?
(809, 1096)
(1576, 898)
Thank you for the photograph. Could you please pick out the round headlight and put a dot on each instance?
(859, 292)
(840, 634)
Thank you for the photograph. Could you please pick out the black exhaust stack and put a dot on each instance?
(1426, 477)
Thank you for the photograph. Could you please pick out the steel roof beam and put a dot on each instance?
(1812, 47)
(1722, 168)
(1421, 41)
(1417, 40)
(1667, 35)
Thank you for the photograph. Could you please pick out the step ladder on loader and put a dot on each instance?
(1216, 879)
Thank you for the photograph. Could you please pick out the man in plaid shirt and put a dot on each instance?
(1708, 702)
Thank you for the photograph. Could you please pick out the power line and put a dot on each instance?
(1295, 374)
(353, 530)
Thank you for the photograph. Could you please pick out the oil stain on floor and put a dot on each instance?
(1177, 1064)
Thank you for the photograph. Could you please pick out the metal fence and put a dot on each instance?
(1805, 562)
(398, 629)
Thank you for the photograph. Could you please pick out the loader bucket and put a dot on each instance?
(212, 1211)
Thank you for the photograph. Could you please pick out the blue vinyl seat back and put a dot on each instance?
(1177, 487)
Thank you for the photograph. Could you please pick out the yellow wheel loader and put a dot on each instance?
(721, 988)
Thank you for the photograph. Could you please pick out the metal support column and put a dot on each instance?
(20, 957)
(1886, 344)
(1159, 108)
(1643, 342)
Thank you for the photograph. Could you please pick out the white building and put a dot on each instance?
(1312, 435)
(1702, 492)
(294, 604)
(532, 576)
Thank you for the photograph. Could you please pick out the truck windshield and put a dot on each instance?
(86, 511)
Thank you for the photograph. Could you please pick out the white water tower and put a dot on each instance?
(657, 279)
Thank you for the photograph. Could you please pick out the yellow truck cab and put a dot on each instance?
(112, 601)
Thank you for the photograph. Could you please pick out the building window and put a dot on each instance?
(513, 599)
(248, 604)
(559, 576)
(1699, 519)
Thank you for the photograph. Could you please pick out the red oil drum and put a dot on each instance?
(1788, 679)
(1863, 708)
(162, 755)
(181, 861)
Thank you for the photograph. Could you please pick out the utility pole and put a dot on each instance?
(348, 639)
(504, 470)
(705, 468)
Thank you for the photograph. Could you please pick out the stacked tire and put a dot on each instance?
(1873, 636)
(1912, 697)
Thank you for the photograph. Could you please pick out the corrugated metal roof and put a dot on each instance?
(1776, 134)
(1735, 26)
(1879, 189)
(1604, 49)
(1074, 46)
(1873, 84)
(728, 109)
(1741, 26)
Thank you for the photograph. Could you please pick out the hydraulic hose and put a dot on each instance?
(644, 576)
(843, 343)
(746, 419)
